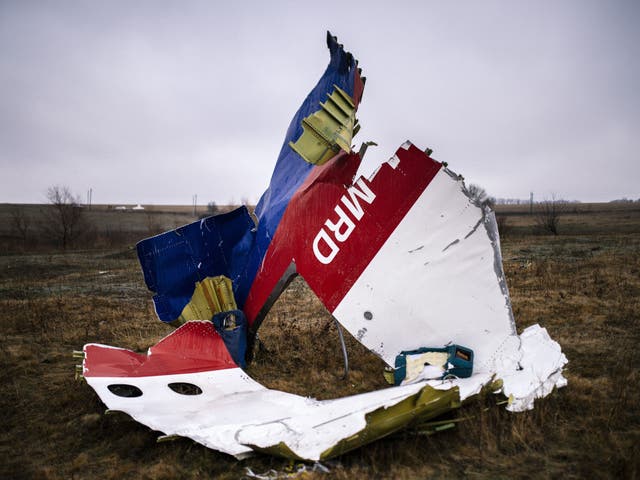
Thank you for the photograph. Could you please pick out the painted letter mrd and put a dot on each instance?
(339, 229)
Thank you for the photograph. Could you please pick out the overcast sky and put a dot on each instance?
(153, 102)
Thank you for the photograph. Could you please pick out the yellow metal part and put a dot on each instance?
(389, 376)
(426, 404)
(328, 130)
(79, 370)
(210, 296)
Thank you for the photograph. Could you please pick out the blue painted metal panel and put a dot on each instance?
(174, 261)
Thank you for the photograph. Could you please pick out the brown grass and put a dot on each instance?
(583, 286)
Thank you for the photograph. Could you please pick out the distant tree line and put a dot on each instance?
(64, 221)
(521, 201)
(625, 200)
(546, 213)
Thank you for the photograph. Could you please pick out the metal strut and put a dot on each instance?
(345, 355)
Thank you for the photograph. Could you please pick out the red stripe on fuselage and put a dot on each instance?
(194, 347)
(314, 204)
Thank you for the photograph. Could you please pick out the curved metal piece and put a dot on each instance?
(345, 355)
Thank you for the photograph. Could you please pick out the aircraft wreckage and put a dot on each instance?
(406, 260)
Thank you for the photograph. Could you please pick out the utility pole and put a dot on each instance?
(195, 203)
(531, 204)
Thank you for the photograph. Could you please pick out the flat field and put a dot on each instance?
(583, 285)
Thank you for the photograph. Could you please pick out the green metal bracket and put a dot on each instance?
(329, 130)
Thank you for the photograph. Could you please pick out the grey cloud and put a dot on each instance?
(154, 101)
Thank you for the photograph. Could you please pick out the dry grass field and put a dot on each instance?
(583, 285)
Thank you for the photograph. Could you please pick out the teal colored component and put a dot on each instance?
(460, 357)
